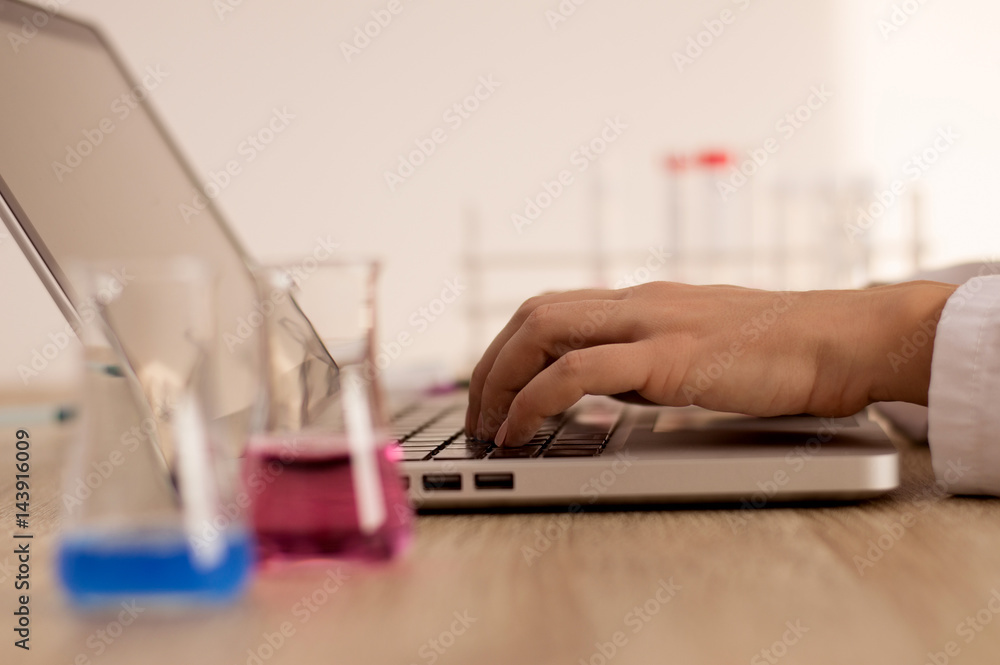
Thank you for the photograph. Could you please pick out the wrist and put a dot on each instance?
(903, 324)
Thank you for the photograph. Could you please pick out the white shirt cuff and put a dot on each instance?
(964, 395)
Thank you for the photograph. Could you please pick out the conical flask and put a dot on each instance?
(320, 467)
(148, 494)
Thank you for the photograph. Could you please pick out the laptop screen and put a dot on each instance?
(91, 177)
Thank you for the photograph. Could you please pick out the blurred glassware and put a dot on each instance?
(151, 511)
(321, 466)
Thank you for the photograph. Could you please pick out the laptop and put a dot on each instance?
(88, 173)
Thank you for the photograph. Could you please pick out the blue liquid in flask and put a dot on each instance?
(99, 568)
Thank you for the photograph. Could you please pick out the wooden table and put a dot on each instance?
(661, 586)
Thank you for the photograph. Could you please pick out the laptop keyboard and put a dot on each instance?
(430, 431)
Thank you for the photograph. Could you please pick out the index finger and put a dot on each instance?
(608, 369)
(485, 364)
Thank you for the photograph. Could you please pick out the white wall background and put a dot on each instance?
(324, 174)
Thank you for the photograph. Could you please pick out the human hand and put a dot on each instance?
(724, 348)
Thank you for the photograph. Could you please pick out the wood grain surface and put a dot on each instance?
(895, 580)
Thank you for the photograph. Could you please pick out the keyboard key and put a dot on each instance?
(460, 454)
(414, 455)
(435, 429)
(427, 439)
(571, 452)
(581, 438)
(576, 444)
(515, 453)
(577, 429)
(465, 450)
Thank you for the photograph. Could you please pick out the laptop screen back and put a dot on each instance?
(91, 177)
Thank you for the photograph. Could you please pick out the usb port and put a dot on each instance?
(442, 481)
(494, 481)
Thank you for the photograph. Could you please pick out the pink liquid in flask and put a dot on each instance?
(305, 505)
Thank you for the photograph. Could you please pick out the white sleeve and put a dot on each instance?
(964, 395)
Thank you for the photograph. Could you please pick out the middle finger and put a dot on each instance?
(548, 333)
(474, 414)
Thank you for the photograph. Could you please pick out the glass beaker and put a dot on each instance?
(320, 467)
(148, 495)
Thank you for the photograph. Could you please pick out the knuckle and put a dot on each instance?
(529, 305)
(625, 293)
(652, 288)
(646, 289)
(611, 308)
(571, 364)
(539, 317)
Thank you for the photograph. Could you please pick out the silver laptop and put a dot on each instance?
(87, 173)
